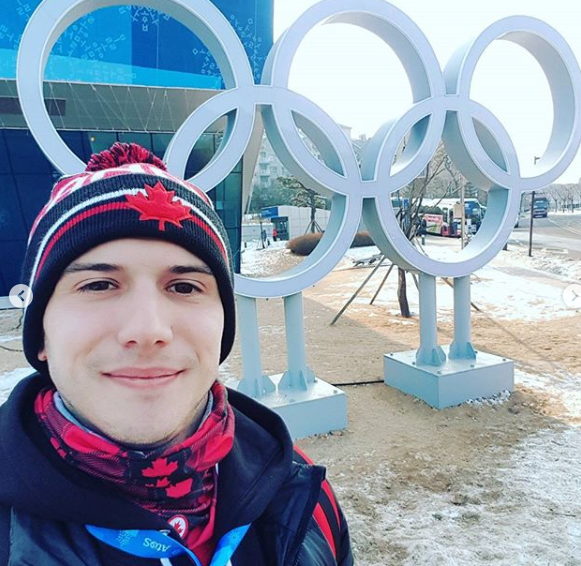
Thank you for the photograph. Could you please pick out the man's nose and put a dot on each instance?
(144, 319)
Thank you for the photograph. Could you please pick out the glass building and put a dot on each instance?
(125, 73)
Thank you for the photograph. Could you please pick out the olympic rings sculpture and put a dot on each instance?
(442, 110)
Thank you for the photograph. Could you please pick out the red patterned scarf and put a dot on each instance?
(179, 483)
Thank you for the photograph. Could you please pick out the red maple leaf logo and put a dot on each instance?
(159, 484)
(179, 489)
(158, 204)
(160, 468)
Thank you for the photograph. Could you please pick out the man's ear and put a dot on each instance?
(42, 352)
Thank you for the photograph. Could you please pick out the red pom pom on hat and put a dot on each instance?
(122, 154)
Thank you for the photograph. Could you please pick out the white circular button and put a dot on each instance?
(572, 296)
(20, 296)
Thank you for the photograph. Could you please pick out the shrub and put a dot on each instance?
(304, 245)
(362, 239)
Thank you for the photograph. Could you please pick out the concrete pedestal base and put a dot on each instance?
(320, 409)
(452, 383)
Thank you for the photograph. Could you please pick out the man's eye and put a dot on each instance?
(185, 288)
(96, 286)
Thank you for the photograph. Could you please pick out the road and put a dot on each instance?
(560, 233)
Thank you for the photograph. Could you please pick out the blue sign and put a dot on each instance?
(269, 212)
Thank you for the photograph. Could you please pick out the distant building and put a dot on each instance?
(269, 167)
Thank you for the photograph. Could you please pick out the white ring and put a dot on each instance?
(561, 68)
(52, 18)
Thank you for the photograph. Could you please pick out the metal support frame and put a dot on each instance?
(253, 383)
(429, 353)
(308, 405)
(462, 348)
(298, 375)
(448, 376)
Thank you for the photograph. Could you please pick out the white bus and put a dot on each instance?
(443, 216)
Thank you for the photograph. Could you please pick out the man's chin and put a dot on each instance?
(136, 440)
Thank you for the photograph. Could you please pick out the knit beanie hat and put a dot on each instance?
(125, 192)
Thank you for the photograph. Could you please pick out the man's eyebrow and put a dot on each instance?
(109, 268)
(103, 267)
(184, 269)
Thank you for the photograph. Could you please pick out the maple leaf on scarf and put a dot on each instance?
(180, 489)
(158, 204)
(160, 468)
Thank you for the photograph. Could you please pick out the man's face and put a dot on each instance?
(132, 339)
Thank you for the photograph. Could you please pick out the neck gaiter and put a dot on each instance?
(178, 482)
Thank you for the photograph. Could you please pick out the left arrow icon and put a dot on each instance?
(20, 296)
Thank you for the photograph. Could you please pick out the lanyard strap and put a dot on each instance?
(154, 544)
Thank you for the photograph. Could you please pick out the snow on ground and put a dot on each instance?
(551, 262)
(260, 262)
(498, 399)
(524, 512)
(520, 505)
(497, 288)
(10, 379)
(560, 385)
(565, 212)
(505, 297)
(355, 254)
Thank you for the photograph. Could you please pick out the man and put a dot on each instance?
(123, 448)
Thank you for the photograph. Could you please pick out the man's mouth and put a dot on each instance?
(143, 376)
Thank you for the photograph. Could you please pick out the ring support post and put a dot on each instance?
(308, 405)
(253, 382)
(448, 376)
(298, 376)
(429, 353)
(461, 348)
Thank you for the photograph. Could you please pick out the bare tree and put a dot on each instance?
(409, 217)
(306, 198)
(568, 196)
(564, 196)
(552, 192)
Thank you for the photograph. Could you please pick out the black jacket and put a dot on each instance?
(45, 503)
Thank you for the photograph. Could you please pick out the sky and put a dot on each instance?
(359, 81)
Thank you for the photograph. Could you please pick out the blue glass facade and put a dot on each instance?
(137, 45)
(127, 45)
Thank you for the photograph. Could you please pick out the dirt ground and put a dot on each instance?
(475, 484)
(485, 483)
